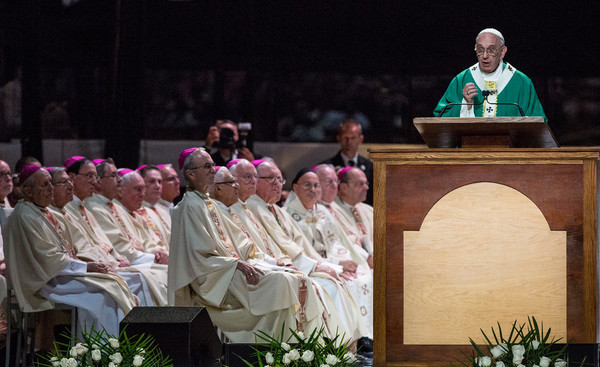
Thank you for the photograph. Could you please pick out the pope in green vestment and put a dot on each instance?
(518, 89)
(507, 86)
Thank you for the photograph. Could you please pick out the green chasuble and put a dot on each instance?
(511, 87)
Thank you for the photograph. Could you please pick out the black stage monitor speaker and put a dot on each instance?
(186, 334)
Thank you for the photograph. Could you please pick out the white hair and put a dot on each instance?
(493, 31)
(233, 168)
(323, 166)
(126, 179)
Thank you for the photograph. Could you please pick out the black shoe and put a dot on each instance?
(364, 345)
(364, 361)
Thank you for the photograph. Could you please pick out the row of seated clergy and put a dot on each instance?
(285, 231)
(205, 256)
(332, 294)
(329, 236)
(113, 216)
(146, 279)
(210, 242)
(43, 267)
(91, 244)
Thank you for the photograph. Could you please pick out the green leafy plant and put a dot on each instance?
(316, 350)
(527, 345)
(98, 349)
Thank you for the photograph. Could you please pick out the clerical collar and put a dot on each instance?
(148, 205)
(221, 204)
(348, 159)
(123, 206)
(163, 202)
(344, 203)
(102, 198)
(76, 200)
(204, 196)
(42, 208)
(57, 209)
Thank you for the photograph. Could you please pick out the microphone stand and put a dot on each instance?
(485, 94)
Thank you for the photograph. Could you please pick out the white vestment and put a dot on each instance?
(359, 217)
(158, 219)
(42, 270)
(328, 238)
(204, 272)
(285, 232)
(110, 216)
(149, 285)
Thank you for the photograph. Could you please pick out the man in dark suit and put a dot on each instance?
(350, 137)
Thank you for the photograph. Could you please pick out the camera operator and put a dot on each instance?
(228, 145)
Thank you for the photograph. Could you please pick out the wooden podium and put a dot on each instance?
(468, 237)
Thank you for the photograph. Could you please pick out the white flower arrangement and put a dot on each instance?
(106, 351)
(315, 350)
(531, 347)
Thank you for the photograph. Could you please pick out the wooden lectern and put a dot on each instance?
(468, 237)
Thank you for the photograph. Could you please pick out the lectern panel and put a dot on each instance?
(554, 189)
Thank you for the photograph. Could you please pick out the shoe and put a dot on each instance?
(363, 361)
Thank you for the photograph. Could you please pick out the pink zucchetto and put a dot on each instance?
(183, 155)
(257, 162)
(160, 166)
(233, 162)
(342, 171)
(27, 172)
(141, 167)
(124, 171)
(69, 162)
(97, 161)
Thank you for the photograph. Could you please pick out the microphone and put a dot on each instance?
(458, 104)
(486, 93)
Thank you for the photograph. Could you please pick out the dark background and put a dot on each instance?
(132, 69)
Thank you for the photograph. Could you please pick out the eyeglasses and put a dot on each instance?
(232, 183)
(330, 182)
(207, 166)
(112, 175)
(247, 178)
(91, 176)
(492, 51)
(5, 174)
(307, 186)
(138, 189)
(63, 182)
(272, 179)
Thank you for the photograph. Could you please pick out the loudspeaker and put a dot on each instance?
(186, 334)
